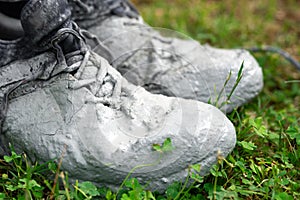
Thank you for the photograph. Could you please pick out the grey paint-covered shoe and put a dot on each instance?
(168, 65)
(64, 99)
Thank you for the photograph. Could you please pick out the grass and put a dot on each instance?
(265, 163)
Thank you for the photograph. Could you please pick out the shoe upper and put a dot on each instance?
(166, 62)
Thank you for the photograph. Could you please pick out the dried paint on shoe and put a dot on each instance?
(66, 98)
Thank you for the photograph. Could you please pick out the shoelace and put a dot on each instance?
(96, 8)
(64, 65)
(43, 73)
(67, 63)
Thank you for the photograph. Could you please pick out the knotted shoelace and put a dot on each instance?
(92, 9)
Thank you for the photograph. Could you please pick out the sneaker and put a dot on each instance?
(168, 65)
(60, 99)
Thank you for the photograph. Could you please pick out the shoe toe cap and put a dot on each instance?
(207, 72)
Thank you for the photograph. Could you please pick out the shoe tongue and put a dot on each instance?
(40, 18)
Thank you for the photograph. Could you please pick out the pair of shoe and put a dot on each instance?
(59, 97)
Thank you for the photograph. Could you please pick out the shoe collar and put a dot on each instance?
(45, 23)
(40, 18)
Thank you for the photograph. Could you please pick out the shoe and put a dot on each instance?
(168, 65)
(60, 99)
